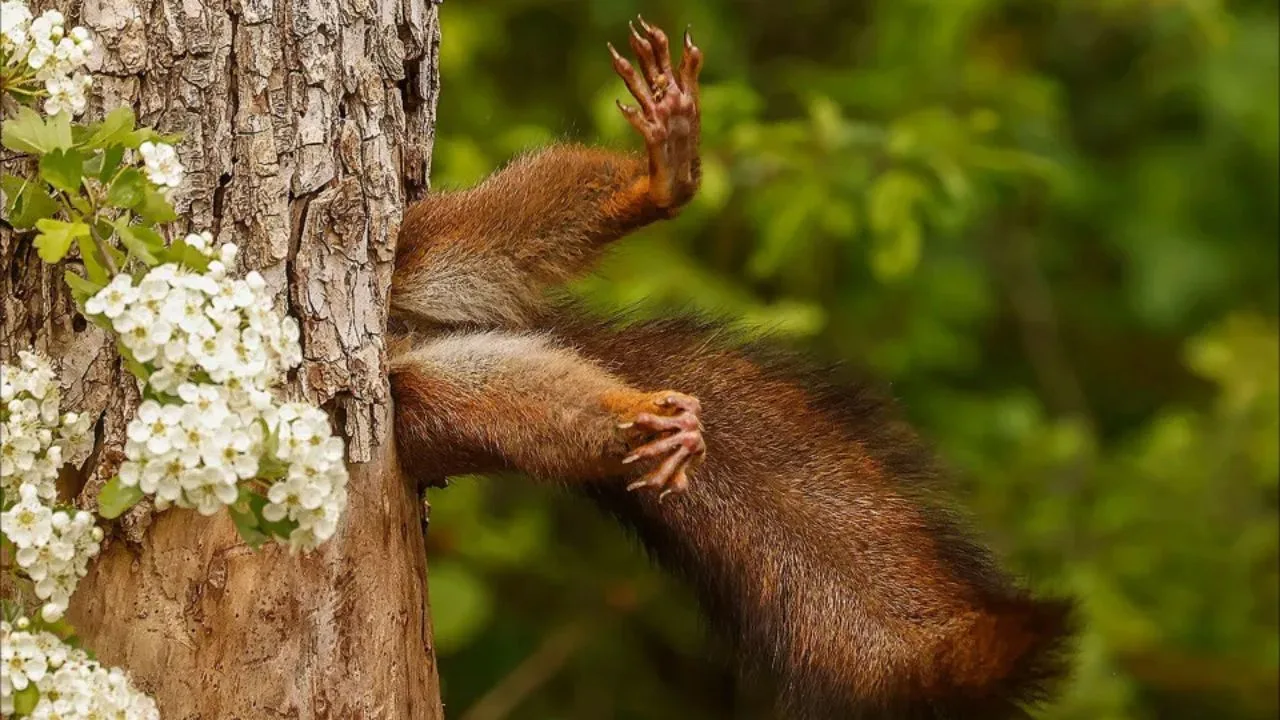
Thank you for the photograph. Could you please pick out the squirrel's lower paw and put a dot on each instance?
(674, 419)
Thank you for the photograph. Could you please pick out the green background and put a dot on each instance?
(1051, 225)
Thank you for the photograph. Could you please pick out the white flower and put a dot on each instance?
(200, 241)
(35, 441)
(112, 299)
(152, 424)
(28, 522)
(138, 315)
(67, 93)
(53, 548)
(162, 165)
(45, 32)
(71, 686)
(15, 21)
(216, 349)
(212, 491)
(227, 254)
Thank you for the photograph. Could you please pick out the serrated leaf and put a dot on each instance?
(91, 253)
(26, 132)
(114, 129)
(183, 254)
(30, 203)
(81, 288)
(143, 242)
(60, 131)
(154, 208)
(63, 169)
(56, 236)
(146, 134)
(111, 158)
(13, 186)
(116, 497)
(128, 190)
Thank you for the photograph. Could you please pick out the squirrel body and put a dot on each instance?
(801, 511)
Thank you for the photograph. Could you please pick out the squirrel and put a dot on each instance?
(799, 510)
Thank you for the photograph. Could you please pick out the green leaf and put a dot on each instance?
(79, 203)
(81, 288)
(25, 700)
(63, 169)
(154, 208)
(26, 132)
(55, 238)
(91, 255)
(116, 497)
(111, 158)
(143, 242)
(13, 186)
(137, 369)
(146, 134)
(128, 190)
(272, 468)
(182, 253)
(10, 611)
(59, 127)
(896, 256)
(61, 627)
(246, 521)
(114, 129)
(281, 529)
(270, 442)
(28, 201)
(104, 163)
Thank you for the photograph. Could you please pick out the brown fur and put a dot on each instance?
(485, 255)
(817, 543)
(811, 531)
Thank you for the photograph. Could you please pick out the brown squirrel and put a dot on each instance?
(807, 527)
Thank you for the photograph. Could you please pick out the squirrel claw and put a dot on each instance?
(679, 444)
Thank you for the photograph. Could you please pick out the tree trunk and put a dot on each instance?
(306, 126)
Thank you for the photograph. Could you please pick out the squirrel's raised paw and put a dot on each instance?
(667, 116)
(672, 430)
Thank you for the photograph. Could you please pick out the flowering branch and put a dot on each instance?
(209, 351)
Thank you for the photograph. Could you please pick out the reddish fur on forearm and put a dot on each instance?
(470, 402)
(486, 254)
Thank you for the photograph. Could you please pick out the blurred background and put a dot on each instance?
(1051, 224)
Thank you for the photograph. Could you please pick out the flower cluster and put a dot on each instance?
(37, 440)
(70, 685)
(41, 49)
(190, 325)
(313, 492)
(214, 348)
(54, 548)
(161, 163)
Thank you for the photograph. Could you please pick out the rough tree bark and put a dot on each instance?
(307, 125)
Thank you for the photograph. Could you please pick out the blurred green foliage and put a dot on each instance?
(1052, 225)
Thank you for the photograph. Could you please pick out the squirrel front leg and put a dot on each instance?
(485, 255)
(487, 401)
